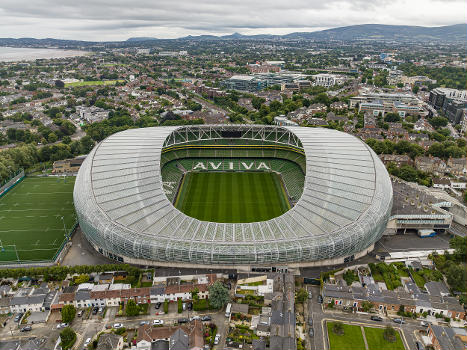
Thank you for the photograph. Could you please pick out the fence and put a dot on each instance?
(12, 182)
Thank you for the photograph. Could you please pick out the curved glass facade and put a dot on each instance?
(122, 208)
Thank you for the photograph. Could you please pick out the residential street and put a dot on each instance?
(320, 341)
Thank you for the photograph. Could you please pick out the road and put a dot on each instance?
(408, 331)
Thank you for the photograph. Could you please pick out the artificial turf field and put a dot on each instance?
(232, 196)
(31, 228)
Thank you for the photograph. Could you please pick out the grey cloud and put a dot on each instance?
(119, 19)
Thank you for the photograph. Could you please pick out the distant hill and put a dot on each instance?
(141, 38)
(376, 32)
(457, 32)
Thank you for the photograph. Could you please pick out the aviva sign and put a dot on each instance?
(230, 166)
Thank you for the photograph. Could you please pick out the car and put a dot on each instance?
(310, 295)
(108, 326)
(206, 318)
(376, 318)
(157, 306)
(399, 320)
(217, 338)
(424, 324)
(310, 321)
(118, 325)
(95, 310)
(26, 329)
(419, 345)
(142, 323)
(100, 310)
(157, 322)
(62, 325)
(87, 342)
(182, 320)
(80, 313)
(320, 299)
(189, 306)
(195, 318)
(311, 332)
(18, 317)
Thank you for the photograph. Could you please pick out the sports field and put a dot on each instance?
(232, 196)
(93, 82)
(31, 225)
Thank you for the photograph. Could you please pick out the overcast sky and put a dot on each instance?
(102, 20)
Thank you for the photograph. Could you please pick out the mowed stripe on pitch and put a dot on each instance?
(231, 196)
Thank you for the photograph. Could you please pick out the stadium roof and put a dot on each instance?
(123, 209)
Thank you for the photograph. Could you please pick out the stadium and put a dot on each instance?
(233, 196)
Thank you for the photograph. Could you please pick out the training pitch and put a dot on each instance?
(232, 196)
(31, 224)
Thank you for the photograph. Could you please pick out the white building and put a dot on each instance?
(327, 80)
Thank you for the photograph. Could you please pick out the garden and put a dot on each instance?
(345, 336)
(241, 334)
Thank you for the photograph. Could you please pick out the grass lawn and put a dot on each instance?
(376, 341)
(93, 82)
(31, 218)
(419, 280)
(232, 196)
(352, 339)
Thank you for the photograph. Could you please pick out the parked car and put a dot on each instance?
(26, 329)
(189, 306)
(311, 332)
(376, 318)
(217, 339)
(419, 345)
(157, 306)
(195, 318)
(399, 320)
(310, 321)
(87, 342)
(101, 310)
(182, 320)
(80, 313)
(118, 325)
(95, 309)
(158, 322)
(320, 299)
(206, 318)
(424, 324)
(310, 295)
(142, 323)
(18, 317)
(62, 325)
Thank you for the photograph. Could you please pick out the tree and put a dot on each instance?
(392, 117)
(302, 295)
(68, 338)
(338, 328)
(218, 295)
(179, 305)
(415, 89)
(194, 294)
(81, 279)
(390, 334)
(367, 306)
(459, 244)
(438, 122)
(87, 143)
(131, 308)
(68, 313)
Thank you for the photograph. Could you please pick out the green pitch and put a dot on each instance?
(232, 196)
(31, 225)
